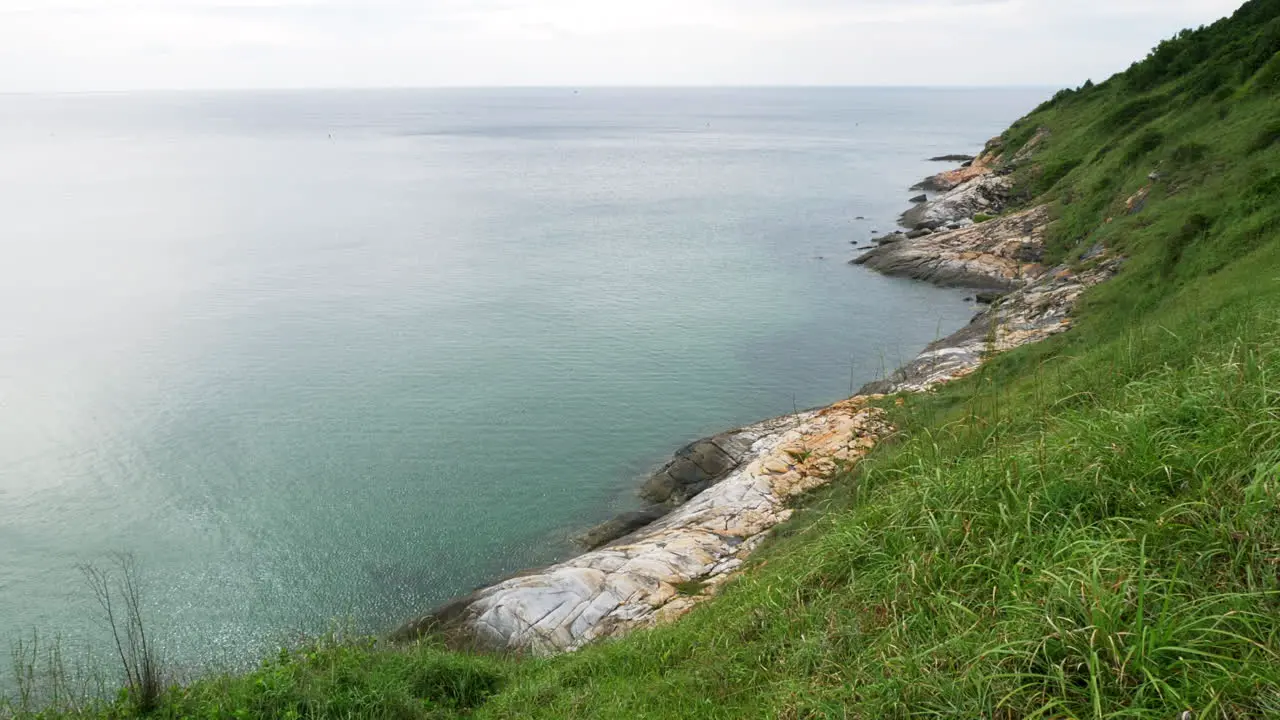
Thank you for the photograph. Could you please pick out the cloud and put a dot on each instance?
(100, 44)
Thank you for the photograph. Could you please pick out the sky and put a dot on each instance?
(109, 45)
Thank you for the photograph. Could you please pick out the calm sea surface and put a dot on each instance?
(317, 355)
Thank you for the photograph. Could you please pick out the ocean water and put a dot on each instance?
(318, 355)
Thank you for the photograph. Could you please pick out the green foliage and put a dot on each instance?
(1053, 172)
(1195, 228)
(1135, 112)
(1018, 136)
(349, 679)
(1189, 154)
(1146, 143)
(1266, 137)
(1267, 80)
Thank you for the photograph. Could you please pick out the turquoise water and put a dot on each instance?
(348, 354)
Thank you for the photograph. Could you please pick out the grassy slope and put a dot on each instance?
(1089, 527)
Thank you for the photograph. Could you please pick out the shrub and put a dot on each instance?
(1146, 143)
(1266, 138)
(455, 681)
(1016, 137)
(1136, 111)
(1262, 195)
(1195, 228)
(1054, 172)
(1267, 79)
(1210, 82)
(1189, 154)
(120, 597)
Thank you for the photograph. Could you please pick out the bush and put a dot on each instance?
(454, 681)
(1211, 82)
(1195, 228)
(1266, 138)
(1136, 111)
(1189, 154)
(1267, 79)
(1054, 172)
(1147, 142)
(1016, 137)
(1262, 195)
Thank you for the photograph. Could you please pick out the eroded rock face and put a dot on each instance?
(984, 194)
(700, 465)
(973, 167)
(1000, 254)
(630, 583)
(1040, 309)
(620, 526)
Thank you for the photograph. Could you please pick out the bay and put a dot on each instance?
(323, 355)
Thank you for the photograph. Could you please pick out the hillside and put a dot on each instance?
(1087, 526)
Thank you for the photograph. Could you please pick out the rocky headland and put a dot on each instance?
(718, 498)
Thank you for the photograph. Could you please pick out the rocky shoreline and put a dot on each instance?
(718, 498)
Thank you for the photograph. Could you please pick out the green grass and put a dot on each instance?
(1085, 528)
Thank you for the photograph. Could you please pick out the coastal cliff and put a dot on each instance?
(730, 490)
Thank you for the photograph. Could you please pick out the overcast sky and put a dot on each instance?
(144, 44)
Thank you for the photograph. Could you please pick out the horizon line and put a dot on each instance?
(565, 87)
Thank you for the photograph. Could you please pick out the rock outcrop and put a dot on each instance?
(619, 526)
(973, 167)
(1038, 310)
(984, 194)
(632, 582)
(691, 470)
(1000, 254)
(701, 464)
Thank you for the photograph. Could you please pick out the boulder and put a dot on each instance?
(920, 199)
(620, 526)
(695, 467)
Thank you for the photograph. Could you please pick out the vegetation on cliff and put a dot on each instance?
(1087, 527)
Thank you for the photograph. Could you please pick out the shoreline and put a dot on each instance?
(718, 498)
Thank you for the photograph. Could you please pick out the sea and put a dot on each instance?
(326, 359)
